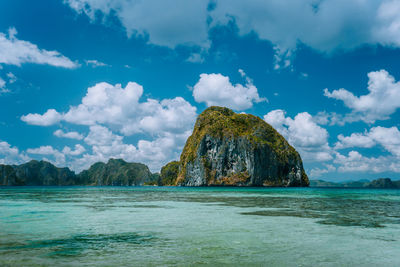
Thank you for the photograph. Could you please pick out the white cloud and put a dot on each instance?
(217, 90)
(326, 26)
(50, 151)
(105, 144)
(16, 52)
(195, 58)
(381, 101)
(50, 117)
(11, 155)
(79, 149)
(388, 30)
(333, 118)
(3, 89)
(356, 162)
(303, 133)
(341, 24)
(71, 135)
(2, 83)
(170, 115)
(120, 109)
(166, 23)
(107, 109)
(354, 140)
(388, 138)
(95, 63)
(318, 172)
(11, 77)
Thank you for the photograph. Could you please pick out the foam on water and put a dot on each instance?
(136, 226)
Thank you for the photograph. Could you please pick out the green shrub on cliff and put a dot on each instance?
(222, 123)
(115, 172)
(169, 173)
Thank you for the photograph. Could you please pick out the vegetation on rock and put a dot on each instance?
(225, 149)
(169, 173)
(378, 183)
(36, 173)
(230, 148)
(115, 172)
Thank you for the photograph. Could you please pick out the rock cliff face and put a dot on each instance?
(8, 176)
(36, 173)
(115, 172)
(384, 183)
(238, 149)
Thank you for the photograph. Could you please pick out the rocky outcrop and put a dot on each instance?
(349, 184)
(36, 173)
(240, 150)
(385, 183)
(115, 172)
(8, 176)
(169, 173)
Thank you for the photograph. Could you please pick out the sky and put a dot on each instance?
(83, 81)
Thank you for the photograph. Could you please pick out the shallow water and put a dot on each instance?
(169, 226)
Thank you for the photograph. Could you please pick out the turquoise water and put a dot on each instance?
(152, 226)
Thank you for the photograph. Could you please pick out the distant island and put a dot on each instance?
(115, 172)
(231, 149)
(378, 183)
(225, 149)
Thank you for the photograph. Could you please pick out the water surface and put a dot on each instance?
(169, 226)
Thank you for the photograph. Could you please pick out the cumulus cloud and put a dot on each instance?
(333, 118)
(50, 117)
(71, 135)
(105, 144)
(79, 149)
(16, 52)
(356, 162)
(11, 155)
(318, 172)
(326, 26)
(120, 109)
(59, 157)
(354, 140)
(217, 90)
(303, 133)
(378, 104)
(112, 112)
(388, 138)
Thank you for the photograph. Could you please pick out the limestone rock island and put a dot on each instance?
(233, 149)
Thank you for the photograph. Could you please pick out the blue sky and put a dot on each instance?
(85, 80)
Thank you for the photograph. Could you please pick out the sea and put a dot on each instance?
(205, 226)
